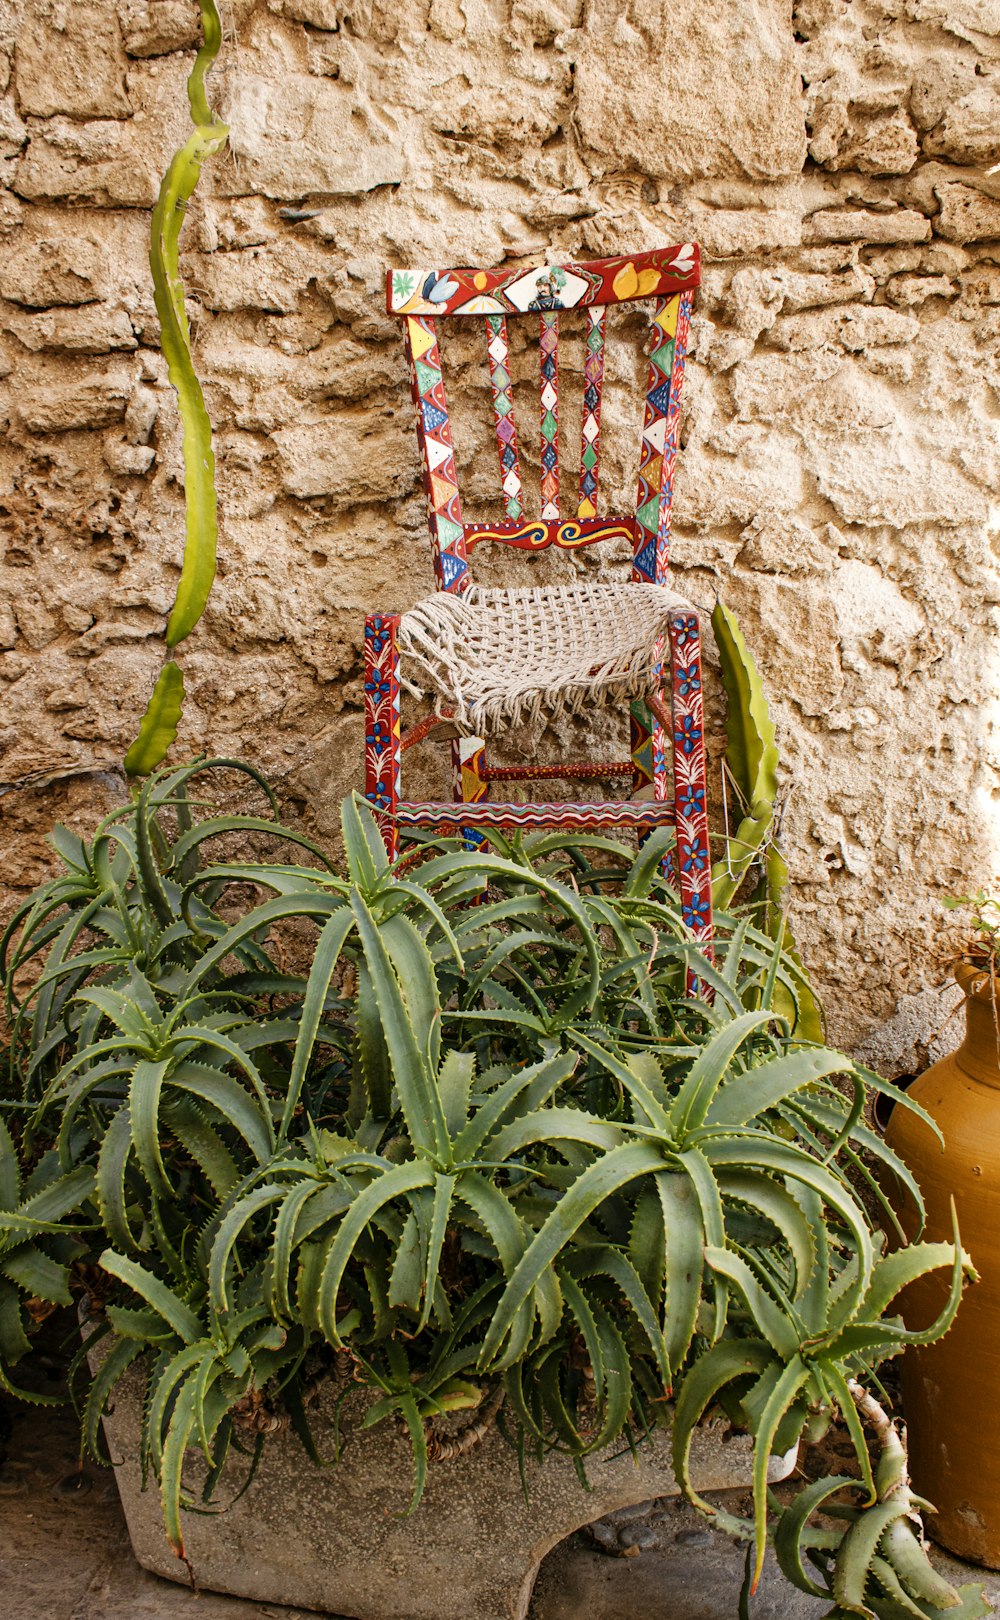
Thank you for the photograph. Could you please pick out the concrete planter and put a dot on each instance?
(334, 1539)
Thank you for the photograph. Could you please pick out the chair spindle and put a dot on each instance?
(503, 414)
(444, 506)
(659, 439)
(593, 388)
(549, 410)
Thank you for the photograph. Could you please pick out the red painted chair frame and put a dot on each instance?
(669, 276)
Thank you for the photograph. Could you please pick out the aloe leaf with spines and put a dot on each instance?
(751, 754)
(555, 1182)
(752, 762)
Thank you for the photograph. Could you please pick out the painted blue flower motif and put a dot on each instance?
(688, 680)
(687, 734)
(695, 858)
(686, 630)
(695, 911)
(378, 738)
(691, 799)
(378, 689)
(376, 635)
(379, 796)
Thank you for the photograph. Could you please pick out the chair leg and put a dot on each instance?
(382, 746)
(469, 784)
(688, 742)
(649, 767)
(641, 745)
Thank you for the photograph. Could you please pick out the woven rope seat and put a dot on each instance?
(494, 654)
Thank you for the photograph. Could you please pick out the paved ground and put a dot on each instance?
(64, 1555)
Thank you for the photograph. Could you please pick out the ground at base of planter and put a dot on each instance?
(65, 1555)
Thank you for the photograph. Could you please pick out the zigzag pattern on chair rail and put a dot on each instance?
(618, 813)
(444, 507)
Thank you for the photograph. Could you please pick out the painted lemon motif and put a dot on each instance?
(630, 283)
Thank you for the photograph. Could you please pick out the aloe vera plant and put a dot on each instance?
(490, 1153)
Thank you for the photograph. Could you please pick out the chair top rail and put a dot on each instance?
(656, 274)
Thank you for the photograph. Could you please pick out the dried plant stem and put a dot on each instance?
(443, 1448)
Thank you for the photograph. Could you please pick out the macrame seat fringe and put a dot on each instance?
(494, 654)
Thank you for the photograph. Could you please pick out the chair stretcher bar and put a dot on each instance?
(627, 813)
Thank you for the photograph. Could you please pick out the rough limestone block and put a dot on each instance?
(800, 629)
(884, 146)
(103, 162)
(109, 162)
(89, 400)
(939, 84)
(154, 27)
(969, 131)
(687, 88)
(966, 215)
(855, 329)
(295, 136)
(338, 1539)
(360, 458)
(13, 129)
(68, 269)
(69, 59)
(93, 329)
(968, 19)
(896, 477)
(862, 225)
(728, 233)
(323, 14)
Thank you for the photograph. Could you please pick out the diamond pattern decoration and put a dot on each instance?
(549, 358)
(503, 414)
(590, 437)
(659, 439)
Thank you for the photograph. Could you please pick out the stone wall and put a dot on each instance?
(840, 439)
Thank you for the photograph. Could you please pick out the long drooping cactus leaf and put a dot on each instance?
(179, 182)
(159, 726)
(159, 723)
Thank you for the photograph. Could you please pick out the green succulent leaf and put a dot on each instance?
(159, 723)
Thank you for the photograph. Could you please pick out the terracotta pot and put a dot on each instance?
(951, 1390)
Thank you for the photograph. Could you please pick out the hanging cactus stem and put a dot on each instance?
(159, 726)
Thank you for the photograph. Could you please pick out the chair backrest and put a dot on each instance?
(421, 297)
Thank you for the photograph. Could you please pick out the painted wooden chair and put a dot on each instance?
(488, 655)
